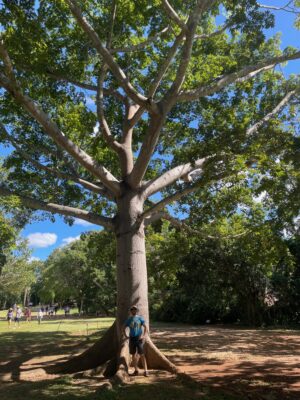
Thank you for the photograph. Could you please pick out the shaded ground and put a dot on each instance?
(257, 363)
(219, 364)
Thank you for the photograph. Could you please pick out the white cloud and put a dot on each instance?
(39, 239)
(95, 130)
(33, 258)
(70, 239)
(82, 222)
(260, 197)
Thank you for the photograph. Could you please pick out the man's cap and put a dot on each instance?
(133, 308)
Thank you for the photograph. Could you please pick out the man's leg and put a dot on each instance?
(143, 358)
(133, 351)
(142, 355)
(135, 359)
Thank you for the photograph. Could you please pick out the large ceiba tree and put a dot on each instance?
(117, 110)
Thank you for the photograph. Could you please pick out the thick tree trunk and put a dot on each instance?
(132, 288)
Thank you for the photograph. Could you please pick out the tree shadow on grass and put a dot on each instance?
(21, 351)
(67, 388)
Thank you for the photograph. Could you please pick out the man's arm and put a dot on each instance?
(124, 326)
(145, 333)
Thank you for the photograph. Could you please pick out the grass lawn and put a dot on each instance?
(24, 350)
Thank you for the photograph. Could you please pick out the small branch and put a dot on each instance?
(286, 8)
(172, 14)
(215, 33)
(171, 176)
(142, 45)
(165, 65)
(186, 54)
(254, 128)
(82, 85)
(87, 86)
(168, 200)
(8, 67)
(59, 209)
(243, 74)
(182, 225)
(109, 60)
(110, 140)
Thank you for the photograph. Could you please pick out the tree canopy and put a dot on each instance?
(95, 94)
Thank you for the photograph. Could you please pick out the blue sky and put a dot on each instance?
(45, 236)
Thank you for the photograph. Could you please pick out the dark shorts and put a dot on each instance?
(17, 319)
(136, 345)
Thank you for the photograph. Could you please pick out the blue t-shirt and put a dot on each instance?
(135, 324)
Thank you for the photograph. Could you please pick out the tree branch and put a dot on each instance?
(243, 74)
(54, 132)
(8, 66)
(59, 209)
(109, 60)
(87, 86)
(171, 176)
(181, 225)
(142, 45)
(165, 65)
(170, 199)
(172, 14)
(110, 140)
(148, 146)
(215, 33)
(254, 128)
(286, 8)
(190, 31)
(88, 185)
(155, 126)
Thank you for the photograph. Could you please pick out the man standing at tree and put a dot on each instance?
(136, 323)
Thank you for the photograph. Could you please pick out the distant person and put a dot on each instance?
(67, 311)
(18, 316)
(40, 315)
(137, 332)
(9, 316)
(56, 309)
(27, 314)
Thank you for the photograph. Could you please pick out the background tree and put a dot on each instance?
(18, 275)
(182, 106)
(83, 271)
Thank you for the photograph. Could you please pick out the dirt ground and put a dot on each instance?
(257, 363)
(253, 364)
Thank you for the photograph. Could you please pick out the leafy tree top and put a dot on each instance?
(152, 97)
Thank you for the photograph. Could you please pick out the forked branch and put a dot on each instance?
(109, 60)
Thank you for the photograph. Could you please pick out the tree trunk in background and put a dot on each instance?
(25, 300)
